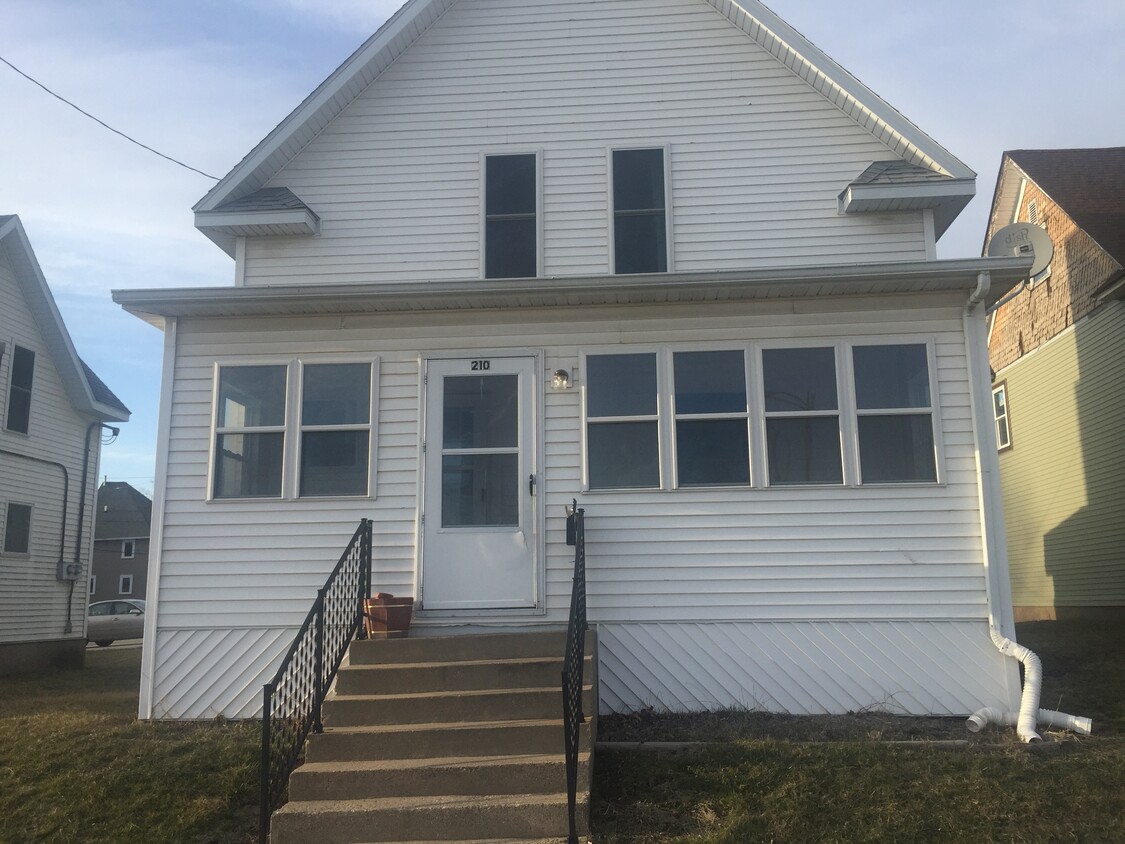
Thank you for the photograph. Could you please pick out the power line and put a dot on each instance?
(103, 123)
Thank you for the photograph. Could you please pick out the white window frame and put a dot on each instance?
(676, 417)
(1006, 443)
(483, 226)
(122, 581)
(9, 386)
(759, 468)
(669, 258)
(93, 585)
(301, 427)
(291, 454)
(128, 548)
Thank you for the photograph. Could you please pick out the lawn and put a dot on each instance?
(76, 766)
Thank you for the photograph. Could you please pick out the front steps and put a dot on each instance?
(442, 739)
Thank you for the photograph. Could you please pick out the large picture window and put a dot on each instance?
(510, 225)
(894, 413)
(640, 229)
(622, 417)
(19, 391)
(250, 431)
(802, 416)
(335, 429)
(712, 434)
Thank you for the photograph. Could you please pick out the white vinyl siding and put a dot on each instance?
(757, 157)
(910, 554)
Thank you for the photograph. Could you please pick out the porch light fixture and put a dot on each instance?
(560, 380)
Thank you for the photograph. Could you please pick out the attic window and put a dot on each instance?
(19, 393)
(510, 225)
(1033, 212)
(640, 215)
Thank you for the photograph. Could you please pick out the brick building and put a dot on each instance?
(1057, 348)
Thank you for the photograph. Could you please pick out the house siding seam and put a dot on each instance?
(905, 556)
(757, 156)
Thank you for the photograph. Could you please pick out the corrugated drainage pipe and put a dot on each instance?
(1029, 713)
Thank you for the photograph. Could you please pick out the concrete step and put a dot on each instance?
(422, 741)
(465, 775)
(524, 673)
(471, 647)
(436, 707)
(439, 818)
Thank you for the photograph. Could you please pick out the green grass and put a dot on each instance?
(764, 781)
(77, 766)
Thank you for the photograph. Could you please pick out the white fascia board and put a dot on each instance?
(321, 106)
(927, 194)
(832, 81)
(297, 221)
(41, 302)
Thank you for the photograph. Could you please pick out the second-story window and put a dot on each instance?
(510, 226)
(19, 393)
(640, 233)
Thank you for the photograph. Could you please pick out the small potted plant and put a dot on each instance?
(386, 616)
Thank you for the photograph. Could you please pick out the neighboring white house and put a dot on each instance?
(52, 409)
(662, 256)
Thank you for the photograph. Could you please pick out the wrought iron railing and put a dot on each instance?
(291, 701)
(572, 681)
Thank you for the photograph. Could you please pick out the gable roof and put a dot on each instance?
(410, 22)
(1088, 184)
(86, 391)
(124, 512)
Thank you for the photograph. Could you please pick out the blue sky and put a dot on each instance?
(204, 80)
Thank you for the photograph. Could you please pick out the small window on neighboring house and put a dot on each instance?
(19, 393)
(17, 529)
(510, 225)
(93, 584)
(712, 424)
(1000, 412)
(127, 547)
(640, 227)
(126, 585)
(894, 410)
(250, 431)
(802, 416)
(622, 420)
(335, 429)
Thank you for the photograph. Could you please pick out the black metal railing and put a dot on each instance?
(291, 701)
(572, 681)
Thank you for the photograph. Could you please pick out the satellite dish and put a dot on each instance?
(1021, 240)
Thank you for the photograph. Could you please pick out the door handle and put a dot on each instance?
(531, 484)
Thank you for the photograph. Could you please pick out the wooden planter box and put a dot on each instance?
(386, 615)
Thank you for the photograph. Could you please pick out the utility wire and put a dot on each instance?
(103, 123)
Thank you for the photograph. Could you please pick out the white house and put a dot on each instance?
(52, 410)
(662, 256)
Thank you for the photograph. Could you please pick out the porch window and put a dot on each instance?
(712, 419)
(894, 414)
(335, 429)
(17, 529)
(1000, 413)
(640, 228)
(250, 431)
(510, 225)
(19, 391)
(622, 419)
(802, 413)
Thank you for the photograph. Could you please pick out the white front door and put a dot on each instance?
(480, 532)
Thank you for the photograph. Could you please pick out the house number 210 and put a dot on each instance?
(480, 365)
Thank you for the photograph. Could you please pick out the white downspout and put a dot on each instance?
(994, 548)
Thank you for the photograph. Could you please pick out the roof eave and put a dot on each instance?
(946, 199)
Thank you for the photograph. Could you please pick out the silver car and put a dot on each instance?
(112, 620)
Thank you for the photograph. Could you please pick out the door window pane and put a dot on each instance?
(480, 490)
(623, 455)
(334, 462)
(804, 450)
(480, 411)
